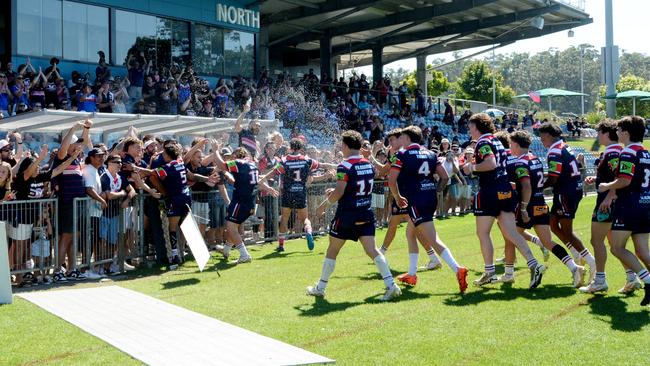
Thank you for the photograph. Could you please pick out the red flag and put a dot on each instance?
(535, 96)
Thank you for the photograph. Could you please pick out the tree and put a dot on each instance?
(624, 106)
(475, 83)
(436, 86)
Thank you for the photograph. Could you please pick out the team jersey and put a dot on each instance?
(173, 177)
(416, 168)
(488, 145)
(356, 200)
(246, 177)
(529, 167)
(634, 164)
(247, 140)
(294, 170)
(607, 163)
(563, 165)
(510, 166)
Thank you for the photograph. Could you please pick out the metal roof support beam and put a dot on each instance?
(419, 15)
(506, 39)
(288, 38)
(305, 11)
(454, 28)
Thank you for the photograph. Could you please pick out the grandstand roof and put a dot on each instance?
(408, 28)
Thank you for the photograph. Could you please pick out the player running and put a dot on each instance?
(631, 214)
(601, 219)
(414, 188)
(495, 200)
(532, 211)
(354, 218)
(564, 176)
(294, 170)
(242, 204)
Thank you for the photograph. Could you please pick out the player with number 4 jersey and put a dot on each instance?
(414, 187)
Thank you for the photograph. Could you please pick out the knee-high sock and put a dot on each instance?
(328, 268)
(382, 265)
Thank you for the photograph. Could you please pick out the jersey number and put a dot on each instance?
(574, 169)
(540, 182)
(424, 169)
(361, 185)
(254, 176)
(646, 179)
(296, 177)
(183, 176)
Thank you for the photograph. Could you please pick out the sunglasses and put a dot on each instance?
(5, 150)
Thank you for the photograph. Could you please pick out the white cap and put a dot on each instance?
(3, 143)
(149, 142)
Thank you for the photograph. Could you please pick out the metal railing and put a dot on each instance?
(32, 235)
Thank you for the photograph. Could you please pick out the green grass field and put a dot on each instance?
(430, 324)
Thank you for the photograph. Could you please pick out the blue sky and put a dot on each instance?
(630, 32)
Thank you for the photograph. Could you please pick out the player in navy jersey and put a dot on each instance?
(564, 176)
(170, 180)
(294, 170)
(413, 187)
(532, 211)
(398, 214)
(354, 218)
(601, 219)
(242, 204)
(631, 214)
(495, 200)
(509, 248)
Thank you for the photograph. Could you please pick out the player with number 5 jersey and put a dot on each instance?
(631, 215)
(414, 187)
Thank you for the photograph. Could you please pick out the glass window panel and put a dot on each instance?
(125, 35)
(239, 50)
(29, 27)
(135, 33)
(52, 28)
(97, 32)
(75, 37)
(180, 46)
(208, 50)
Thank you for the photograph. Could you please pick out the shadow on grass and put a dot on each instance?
(180, 283)
(619, 317)
(508, 293)
(323, 307)
(275, 254)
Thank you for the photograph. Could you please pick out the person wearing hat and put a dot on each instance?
(69, 186)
